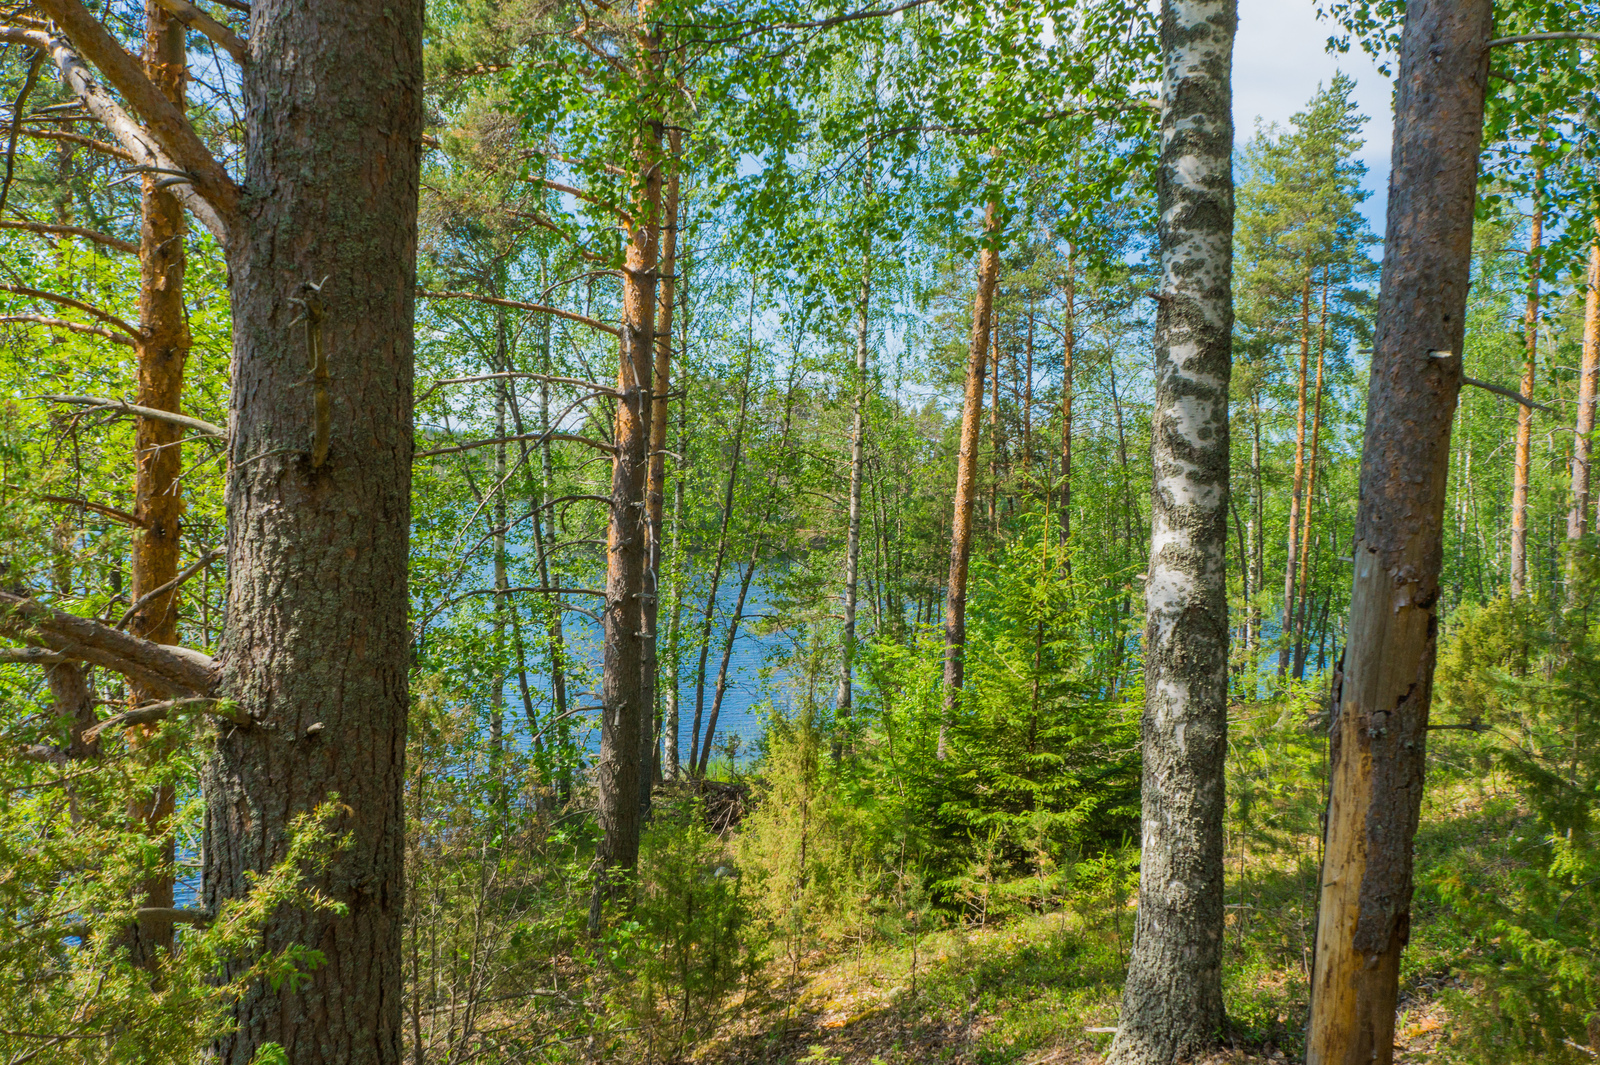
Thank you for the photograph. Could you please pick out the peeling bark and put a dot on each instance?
(1172, 1002)
(1376, 757)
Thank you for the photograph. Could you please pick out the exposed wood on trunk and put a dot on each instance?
(1523, 468)
(1290, 570)
(1583, 446)
(955, 609)
(316, 629)
(1378, 734)
(1172, 1000)
(163, 349)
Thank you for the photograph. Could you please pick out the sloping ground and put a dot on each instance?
(1032, 990)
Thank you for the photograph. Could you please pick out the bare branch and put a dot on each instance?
(168, 913)
(539, 437)
(72, 231)
(519, 374)
(182, 420)
(77, 138)
(31, 656)
(220, 35)
(71, 327)
(157, 592)
(163, 668)
(67, 301)
(571, 316)
(586, 197)
(1529, 38)
(1506, 392)
(100, 508)
(150, 713)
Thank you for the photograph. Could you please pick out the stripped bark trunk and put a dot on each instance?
(624, 712)
(1290, 572)
(661, 384)
(163, 349)
(1583, 446)
(1172, 1001)
(843, 704)
(1521, 474)
(955, 610)
(317, 630)
(1376, 755)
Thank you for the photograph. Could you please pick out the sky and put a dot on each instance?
(1280, 58)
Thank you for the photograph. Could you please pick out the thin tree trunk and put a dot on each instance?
(624, 712)
(1524, 458)
(670, 723)
(722, 542)
(1172, 1001)
(317, 627)
(555, 637)
(727, 657)
(1378, 743)
(1027, 406)
(955, 610)
(163, 349)
(1069, 344)
(661, 384)
(1289, 567)
(843, 704)
(1258, 527)
(1311, 487)
(995, 444)
(1583, 446)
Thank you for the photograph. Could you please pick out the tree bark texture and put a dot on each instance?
(316, 624)
(654, 496)
(163, 349)
(1583, 447)
(1376, 754)
(624, 713)
(955, 608)
(1523, 469)
(1172, 1001)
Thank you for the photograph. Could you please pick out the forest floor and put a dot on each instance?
(1033, 989)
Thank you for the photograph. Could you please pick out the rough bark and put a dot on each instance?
(316, 617)
(843, 704)
(654, 495)
(1378, 733)
(1583, 446)
(955, 608)
(624, 713)
(163, 349)
(1172, 1002)
(1523, 467)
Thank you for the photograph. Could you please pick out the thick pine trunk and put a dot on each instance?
(1172, 1002)
(843, 704)
(955, 609)
(163, 349)
(624, 713)
(1582, 448)
(655, 488)
(1377, 746)
(317, 638)
(1290, 571)
(1521, 474)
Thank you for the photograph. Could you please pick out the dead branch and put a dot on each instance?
(535, 437)
(32, 656)
(601, 390)
(169, 670)
(72, 327)
(79, 139)
(586, 197)
(72, 231)
(132, 332)
(153, 712)
(571, 316)
(1529, 38)
(100, 508)
(155, 593)
(1506, 392)
(122, 407)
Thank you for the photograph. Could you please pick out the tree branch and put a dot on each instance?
(77, 138)
(153, 712)
(132, 332)
(164, 668)
(220, 35)
(1529, 38)
(122, 407)
(1506, 392)
(72, 231)
(71, 327)
(157, 592)
(586, 197)
(571, 316)
(31, 656)
(539, 437)
(100, 508)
